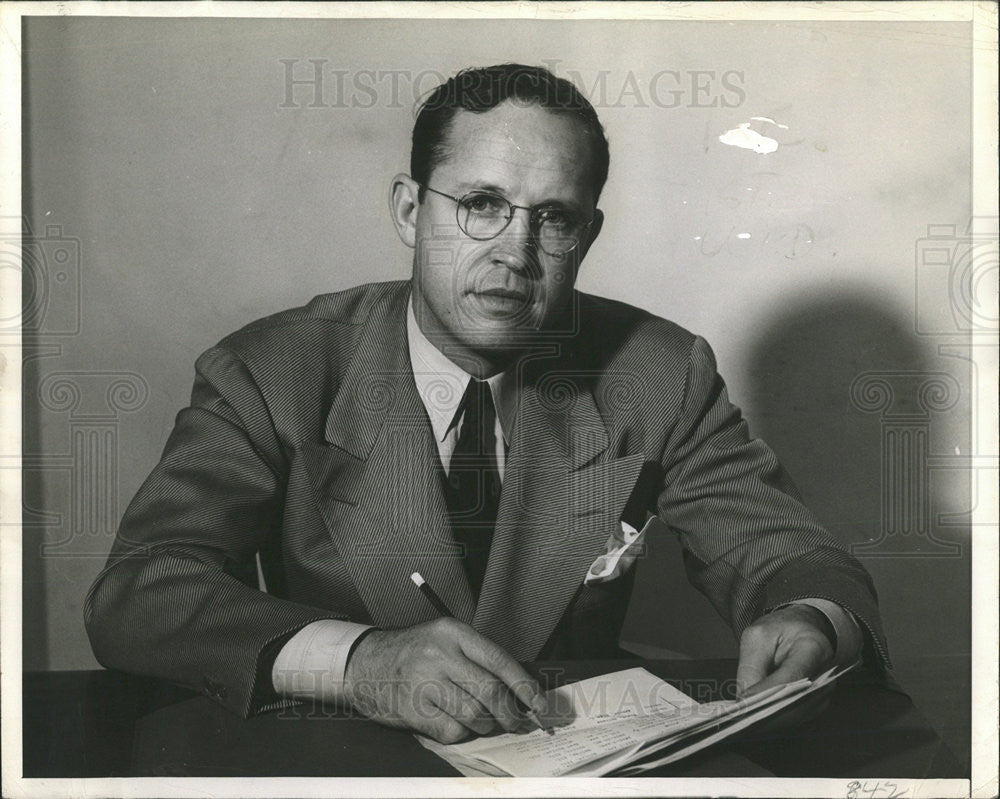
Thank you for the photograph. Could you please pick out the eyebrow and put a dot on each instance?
(465, 187)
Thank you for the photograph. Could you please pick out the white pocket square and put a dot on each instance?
(621, 550)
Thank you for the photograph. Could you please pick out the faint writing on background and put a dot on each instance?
(752, 216)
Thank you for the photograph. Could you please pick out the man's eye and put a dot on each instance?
(485, 204)
(557, 218)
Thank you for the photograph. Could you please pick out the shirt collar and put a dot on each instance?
(441, 383)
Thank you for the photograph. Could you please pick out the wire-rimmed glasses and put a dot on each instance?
(484, 215)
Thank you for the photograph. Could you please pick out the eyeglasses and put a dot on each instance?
(483, 215)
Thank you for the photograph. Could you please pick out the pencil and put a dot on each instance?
(442, 608)
(432, 597)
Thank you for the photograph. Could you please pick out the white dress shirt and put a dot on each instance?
(313, 662)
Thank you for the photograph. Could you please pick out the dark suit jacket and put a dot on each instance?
(306, 443)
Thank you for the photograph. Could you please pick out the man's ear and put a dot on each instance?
(404, 204)
(592, 232)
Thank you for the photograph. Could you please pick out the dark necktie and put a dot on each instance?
(472, 488)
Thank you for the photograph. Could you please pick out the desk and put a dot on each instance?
(102, 723)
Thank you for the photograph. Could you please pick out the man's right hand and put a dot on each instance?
(441, 679)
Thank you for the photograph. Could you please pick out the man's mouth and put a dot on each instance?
(503, 294)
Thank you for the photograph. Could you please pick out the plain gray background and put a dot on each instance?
(175, 191)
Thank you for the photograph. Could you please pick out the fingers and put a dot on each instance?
(437, 723)
(465, 709)
(783, 674)
(497, 699)
(437, 705)
(757, 651)
(442, 679)
(782, 647)
(495, 660)
(802, 660)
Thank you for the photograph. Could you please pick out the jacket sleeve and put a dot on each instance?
(178, 598)
(750, 545)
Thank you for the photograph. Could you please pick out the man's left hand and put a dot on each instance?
(786, 645)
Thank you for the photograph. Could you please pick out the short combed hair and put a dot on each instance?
(480, 89)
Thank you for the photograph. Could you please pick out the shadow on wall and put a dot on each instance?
(801, 372)
(872, 421)
(846, 394)
(865, 415)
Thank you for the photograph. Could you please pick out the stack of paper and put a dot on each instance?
(624, 723)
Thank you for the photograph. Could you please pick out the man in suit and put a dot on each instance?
(483, 424)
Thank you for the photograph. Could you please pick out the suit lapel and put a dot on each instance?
(559, 504)
(377, 483)
(378, 489)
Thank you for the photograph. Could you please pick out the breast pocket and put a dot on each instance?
(593, 621)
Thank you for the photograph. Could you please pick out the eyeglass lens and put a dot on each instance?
(485, 216)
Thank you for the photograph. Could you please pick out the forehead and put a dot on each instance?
(531, 152)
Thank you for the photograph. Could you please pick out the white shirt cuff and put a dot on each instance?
(845, 626)
(312, 662)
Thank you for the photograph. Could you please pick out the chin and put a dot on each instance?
(498, 345)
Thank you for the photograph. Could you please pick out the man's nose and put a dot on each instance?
(516, 247)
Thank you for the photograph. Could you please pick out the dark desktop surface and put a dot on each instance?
(110, 724)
